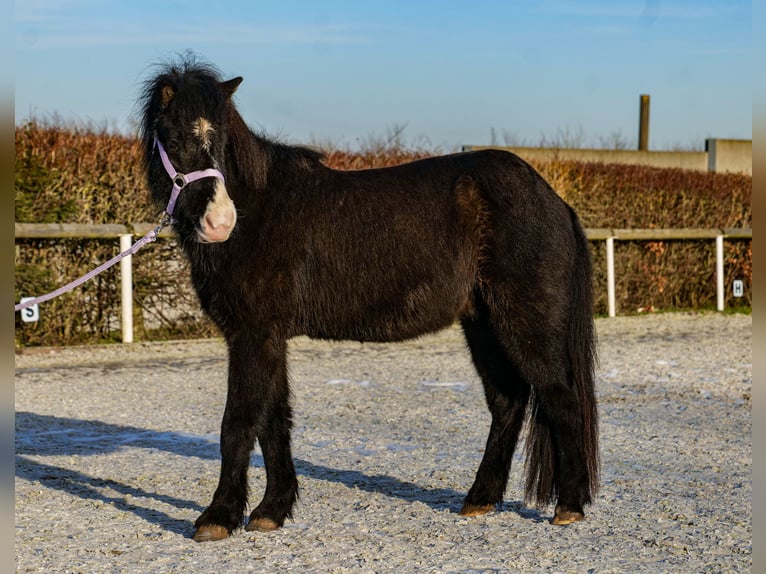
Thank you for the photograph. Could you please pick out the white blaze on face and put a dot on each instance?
(203, 129)
(220, 216)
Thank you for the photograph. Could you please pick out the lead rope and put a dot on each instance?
(180, 181)
(148, 238)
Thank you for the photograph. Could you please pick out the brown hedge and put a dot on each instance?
(84, 175)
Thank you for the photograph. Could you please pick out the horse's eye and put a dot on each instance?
(172, 144)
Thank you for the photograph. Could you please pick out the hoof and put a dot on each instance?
(262, 524)
(474, 510)
(564, 516)
(210, 532)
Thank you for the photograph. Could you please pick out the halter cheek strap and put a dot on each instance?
(181, 180)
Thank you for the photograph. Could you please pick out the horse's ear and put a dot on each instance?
(230, 86)
(166, 94)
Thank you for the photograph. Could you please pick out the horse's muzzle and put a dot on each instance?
(219, 219)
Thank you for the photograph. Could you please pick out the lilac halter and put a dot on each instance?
(181, 180)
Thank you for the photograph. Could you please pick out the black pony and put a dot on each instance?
(281, 245)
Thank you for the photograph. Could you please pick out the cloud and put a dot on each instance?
(50, 24)
(29, 11)
(646, 10)
(94, 34)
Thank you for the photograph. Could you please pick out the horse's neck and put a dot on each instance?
(248, 161)
(247, 156)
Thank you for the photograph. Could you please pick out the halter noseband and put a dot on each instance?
(181, 180)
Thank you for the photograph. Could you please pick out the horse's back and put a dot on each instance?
(386, 254)
(393, 253)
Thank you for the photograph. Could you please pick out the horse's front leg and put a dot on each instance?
(257, 407)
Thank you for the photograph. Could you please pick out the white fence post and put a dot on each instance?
(610, 276)
(719, 270)
(126, 289)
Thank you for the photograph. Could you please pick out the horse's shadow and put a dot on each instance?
(45, 435)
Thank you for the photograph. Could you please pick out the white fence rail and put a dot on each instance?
(718, 235)
(126, 233)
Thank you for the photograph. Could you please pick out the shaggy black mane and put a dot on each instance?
(188, 72)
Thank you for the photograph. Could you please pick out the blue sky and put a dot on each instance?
(448, 73)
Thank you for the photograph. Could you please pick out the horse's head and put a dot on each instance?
(184, 138)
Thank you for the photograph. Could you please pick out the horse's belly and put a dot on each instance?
(372, 315)
(397, 280)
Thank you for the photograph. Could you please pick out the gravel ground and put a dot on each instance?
(117, 454)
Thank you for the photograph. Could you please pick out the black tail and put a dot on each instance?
(542, 474)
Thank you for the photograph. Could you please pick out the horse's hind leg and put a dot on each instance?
(525, 367)
(557, 467)
(507, 395)
(556, 455)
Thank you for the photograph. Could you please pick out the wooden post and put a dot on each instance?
(643, 123)
(610, 295)
(720, 291)
(126, 291)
